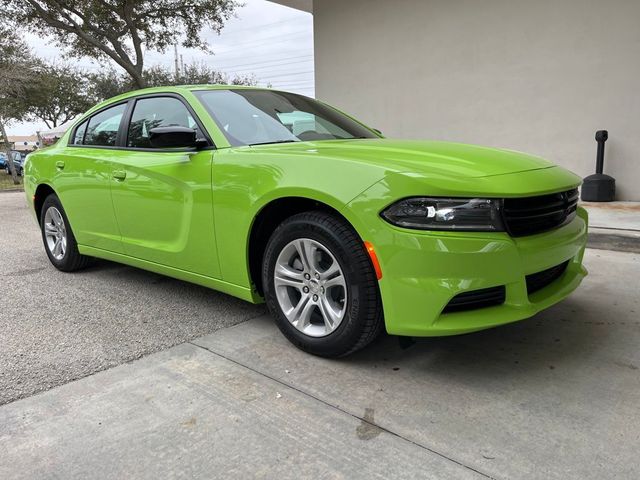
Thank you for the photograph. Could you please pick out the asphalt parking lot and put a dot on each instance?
(553, 397)
(58, 327)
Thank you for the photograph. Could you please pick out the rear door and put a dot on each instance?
(162, 197)
(83, 179)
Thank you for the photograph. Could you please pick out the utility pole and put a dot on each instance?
(175, 52)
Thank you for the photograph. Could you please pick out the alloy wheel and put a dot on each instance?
(310, 287)
(55, 233)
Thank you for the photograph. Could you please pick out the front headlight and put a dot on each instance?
(469, 214)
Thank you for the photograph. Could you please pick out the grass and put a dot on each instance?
(6, 182)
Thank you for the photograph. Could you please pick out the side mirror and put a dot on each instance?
(174, 137)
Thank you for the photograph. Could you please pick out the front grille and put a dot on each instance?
(531, 215)
(537, 281)
(485, 297)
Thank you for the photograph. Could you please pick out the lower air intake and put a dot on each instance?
(486, 297)
(537, 281)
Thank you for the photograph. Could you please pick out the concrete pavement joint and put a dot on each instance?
(613, 242)
(335, 407)
(615, 229)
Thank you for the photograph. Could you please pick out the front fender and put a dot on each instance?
(245, 181)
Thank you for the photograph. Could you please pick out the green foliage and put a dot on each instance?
(59, 94)
(121, 30)
(18, 70)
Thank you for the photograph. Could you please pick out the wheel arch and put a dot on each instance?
(42, 191)
(267, 220)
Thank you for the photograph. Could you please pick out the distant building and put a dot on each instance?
(24, 143)
(51, 136)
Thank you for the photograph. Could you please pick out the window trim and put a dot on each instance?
(84, 123)
(88, 120)
(129, 116)
(123, 129)
(198, 92)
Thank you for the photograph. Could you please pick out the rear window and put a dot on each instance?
(78, 136)
(103, 127)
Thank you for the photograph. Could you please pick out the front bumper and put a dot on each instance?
(423, 271)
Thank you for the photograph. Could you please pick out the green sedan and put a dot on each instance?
(276, 197)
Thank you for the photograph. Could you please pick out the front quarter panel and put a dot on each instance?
(247, 179)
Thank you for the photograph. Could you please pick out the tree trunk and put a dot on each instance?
(137, 78)
(7, 149)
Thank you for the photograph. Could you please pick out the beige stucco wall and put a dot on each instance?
(539, 76)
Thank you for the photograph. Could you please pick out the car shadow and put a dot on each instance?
(135, 278)
(559, 338)
(556, 339)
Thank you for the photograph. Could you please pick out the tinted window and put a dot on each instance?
(103, 127)
(252, 117)
(79, 134)
(157, 112)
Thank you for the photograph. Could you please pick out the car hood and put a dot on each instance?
(428, 157)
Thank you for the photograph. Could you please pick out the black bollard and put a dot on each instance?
(599, 187)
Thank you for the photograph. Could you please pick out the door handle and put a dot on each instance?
(119, 174)
(60, 165)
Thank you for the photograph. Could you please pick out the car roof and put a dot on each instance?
(181, 88)
(166, 89)
(170, 89)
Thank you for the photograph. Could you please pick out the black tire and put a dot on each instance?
(72, 259)
(363, 320)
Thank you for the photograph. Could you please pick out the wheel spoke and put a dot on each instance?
(331, 271)
(336, 281)
(306, 251)
(329, 315)
(285, 276)
(56, 217)
(56, 248)
(50, 229)
(301, 313)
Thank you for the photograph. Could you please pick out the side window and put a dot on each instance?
(157, 112)
(78, 136)
(103, 127)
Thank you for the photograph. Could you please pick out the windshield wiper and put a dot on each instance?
(275, 141)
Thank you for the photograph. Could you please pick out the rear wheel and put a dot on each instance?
(59, 241)
(320, 285)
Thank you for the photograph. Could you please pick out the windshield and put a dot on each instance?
(258, 117)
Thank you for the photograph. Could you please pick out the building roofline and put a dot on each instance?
(303, 5)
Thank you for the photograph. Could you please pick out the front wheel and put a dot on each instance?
(59, 241)
(320, 285)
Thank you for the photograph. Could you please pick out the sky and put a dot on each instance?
(271, 41)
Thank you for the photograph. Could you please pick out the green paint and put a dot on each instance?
(189, 214)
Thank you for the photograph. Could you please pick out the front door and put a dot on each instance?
(162, 197)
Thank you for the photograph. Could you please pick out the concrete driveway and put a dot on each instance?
(555, 396)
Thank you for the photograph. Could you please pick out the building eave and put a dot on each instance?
(303, 5)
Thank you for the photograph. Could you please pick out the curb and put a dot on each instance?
(613, 241)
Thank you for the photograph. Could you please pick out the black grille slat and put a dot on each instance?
(537, 281)
(486, 297)
(551, 207)
(531, 215)
(525, 216)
